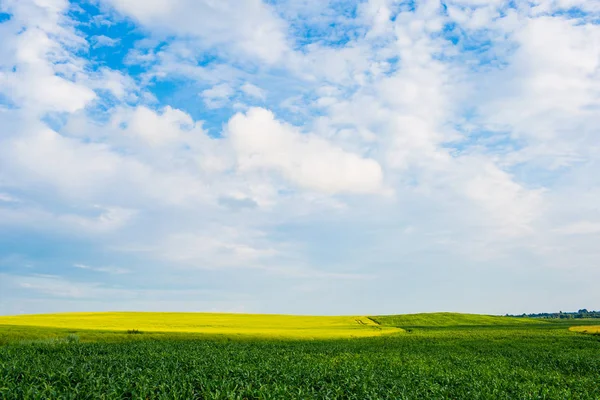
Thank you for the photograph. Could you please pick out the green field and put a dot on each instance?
(434, 356)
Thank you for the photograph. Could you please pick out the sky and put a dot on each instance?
(299, 156)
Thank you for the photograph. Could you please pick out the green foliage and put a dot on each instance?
(495, 361)
(72, 338)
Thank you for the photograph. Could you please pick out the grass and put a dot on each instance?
(451, 319)
(256, 325)
(439, 356)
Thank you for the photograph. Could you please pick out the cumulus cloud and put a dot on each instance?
(217, 96)
(260, 141)
(155, 128)
(39, 71)
(33, 81)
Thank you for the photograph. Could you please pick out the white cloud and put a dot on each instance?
(261, 141)
(217, 96)
(39, 71)
(107, 270)
(103, 41)
(71, 168)
(345, 65)
(550, 92)
(156, 128)
(43, 156)
(247, 26)
(254, 91)
(34, 82)
(376, 14)
(510, 206)
(118, 84)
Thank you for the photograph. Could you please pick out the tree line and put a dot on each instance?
(583, 313)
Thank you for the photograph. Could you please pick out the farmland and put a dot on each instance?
(256, 325)
(586, 329)
(429, 356)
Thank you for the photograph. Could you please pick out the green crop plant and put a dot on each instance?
(436, 360)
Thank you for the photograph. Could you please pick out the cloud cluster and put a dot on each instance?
(278, 148)
(249, 26)
(261, 142)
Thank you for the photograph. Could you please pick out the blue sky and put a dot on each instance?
(300, 156)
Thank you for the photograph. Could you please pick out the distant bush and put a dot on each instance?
(134, 332)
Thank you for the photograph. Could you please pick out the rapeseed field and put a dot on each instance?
(257, 325)
(586, 329)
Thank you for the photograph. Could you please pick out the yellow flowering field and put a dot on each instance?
(264, 325)
(586, 329)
